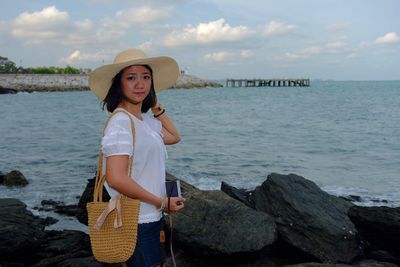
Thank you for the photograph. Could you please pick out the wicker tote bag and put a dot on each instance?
(113, 224)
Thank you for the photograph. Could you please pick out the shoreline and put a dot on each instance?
(12, 83)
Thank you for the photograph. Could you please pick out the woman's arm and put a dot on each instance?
(117, 178)
(169, 132)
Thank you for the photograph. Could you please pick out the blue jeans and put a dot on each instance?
(148, 251)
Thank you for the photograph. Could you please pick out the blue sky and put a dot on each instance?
(213, 39)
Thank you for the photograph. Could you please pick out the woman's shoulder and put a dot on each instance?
(118, 120)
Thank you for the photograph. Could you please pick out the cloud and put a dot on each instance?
(335, 45)
(37, 27)
(146, 46)
(142, 15)
(207, 33)
(226, 56)
(78, 56)
(336, 27)
(303, 53)
(388, 38)
(278, 28)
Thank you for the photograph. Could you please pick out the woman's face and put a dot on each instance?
(136, 83)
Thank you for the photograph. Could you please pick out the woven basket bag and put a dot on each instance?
(112, 225)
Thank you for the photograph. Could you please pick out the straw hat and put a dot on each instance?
(165, 71)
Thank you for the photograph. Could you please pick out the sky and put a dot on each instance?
(212, 39)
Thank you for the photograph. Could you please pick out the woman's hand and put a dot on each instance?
(174, 204)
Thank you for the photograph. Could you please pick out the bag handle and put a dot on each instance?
(100, 178)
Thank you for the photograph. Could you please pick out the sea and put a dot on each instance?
(342, 135)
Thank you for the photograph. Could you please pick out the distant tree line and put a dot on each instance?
(10, 67)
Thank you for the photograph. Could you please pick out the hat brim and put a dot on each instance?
(165, 73)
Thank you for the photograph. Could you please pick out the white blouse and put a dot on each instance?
(149, 156)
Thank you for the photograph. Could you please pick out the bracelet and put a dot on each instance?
(159, 107)
(159, 114)
(162, 204)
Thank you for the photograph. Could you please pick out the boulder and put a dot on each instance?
(21, 233)
(7, 91)
(212, 223)
(363, 263)
(14, 178)
(380, 226)
(244, 196)
(309, 218)
(87, 196)
(66, 246)
(24, 242)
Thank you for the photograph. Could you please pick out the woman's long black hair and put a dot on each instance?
(115, 94)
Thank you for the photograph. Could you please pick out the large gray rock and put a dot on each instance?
(24, 242)
(309, 218)
(213, 223)
(363, 263)
(14, 178)
(21, 233)
(380, 226)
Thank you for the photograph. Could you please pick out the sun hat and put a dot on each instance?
(165, 71)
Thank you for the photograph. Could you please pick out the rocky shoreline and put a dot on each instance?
(13, 83)
(286, 221)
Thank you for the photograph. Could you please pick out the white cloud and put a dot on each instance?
(3, 26)
(206, 33)
(336, 27)
(146, 46)
(388, 38)
(246, 53)
(336, 45)
(40, 26)
(303, 53)
(218, 56)
(142, 15)
(278, 28)
(226, 56)
(84, 25)
(78, 56)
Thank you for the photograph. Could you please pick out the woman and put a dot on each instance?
(130, 84)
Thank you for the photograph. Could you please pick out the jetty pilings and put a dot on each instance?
(267, 82)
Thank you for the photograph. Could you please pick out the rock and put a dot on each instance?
(1, 178)
(380, 226)
(212, 223)
(69, 210)
(242, 195)
(7, 91)
(190, 81)
(24, 242)
(382, 256)
(309, 218)
(363, 263)
(87, 196)
(21, 233)
(79, 262)
(63, 245)
(14, 178)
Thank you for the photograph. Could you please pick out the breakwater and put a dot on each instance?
(267, 82)
(77, 82)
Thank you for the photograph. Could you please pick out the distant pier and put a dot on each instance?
(267, 82)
